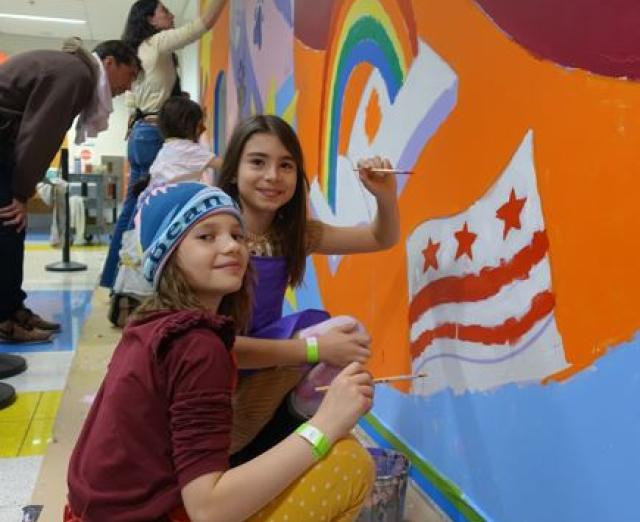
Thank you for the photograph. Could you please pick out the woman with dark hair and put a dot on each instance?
(150, 31)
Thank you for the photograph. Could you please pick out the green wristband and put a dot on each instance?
(313, 350)
(320, 444)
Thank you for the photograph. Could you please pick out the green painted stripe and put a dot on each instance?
(452, 492)
(366, 28)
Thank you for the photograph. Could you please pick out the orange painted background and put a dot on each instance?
(214, 57)
(514, 449)
(587, 155)
(586, 130)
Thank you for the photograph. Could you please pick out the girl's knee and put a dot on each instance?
(355, 463)
(332, 490)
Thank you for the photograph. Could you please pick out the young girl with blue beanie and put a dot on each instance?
(155, 445)
(182, 158)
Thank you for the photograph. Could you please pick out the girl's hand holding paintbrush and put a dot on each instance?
(348, 398)
(377, 176)
(385, 380)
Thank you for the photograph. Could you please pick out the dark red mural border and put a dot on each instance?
(602, 36)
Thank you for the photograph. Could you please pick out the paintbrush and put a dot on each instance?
(387, 171)
(382, 380)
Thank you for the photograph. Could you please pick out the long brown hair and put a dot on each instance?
(174, 293)
(291, 220)
(137, 27)
(179, 118)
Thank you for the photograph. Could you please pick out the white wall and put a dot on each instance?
(14, 44)
(112, 142)
(189, 61)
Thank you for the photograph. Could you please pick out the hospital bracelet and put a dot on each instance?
(320, 444)
(313, 350)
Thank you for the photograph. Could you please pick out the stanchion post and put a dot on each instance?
(66, 265)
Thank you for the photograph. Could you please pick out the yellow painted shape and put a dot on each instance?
(11, 437)
(270, 104)
(38, 437)
(22, 410)
(48, 405)
(26, 426)
(290, 112)
(290, 296)
(44, 247)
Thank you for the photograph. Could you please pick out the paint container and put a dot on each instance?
(386, 502)
(31, 513)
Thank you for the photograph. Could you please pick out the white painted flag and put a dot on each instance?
(481, 307)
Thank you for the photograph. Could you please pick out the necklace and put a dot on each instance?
(260, 244)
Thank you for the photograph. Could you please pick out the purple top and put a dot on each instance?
(267, 321)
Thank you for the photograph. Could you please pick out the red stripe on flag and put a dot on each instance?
(480, 286)
(508, 332)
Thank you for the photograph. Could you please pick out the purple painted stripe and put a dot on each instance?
(425, 130)
(242, 56)
(496, 360)
(284, 6)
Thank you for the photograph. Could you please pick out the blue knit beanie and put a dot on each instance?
(168, 212)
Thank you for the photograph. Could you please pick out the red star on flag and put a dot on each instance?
(510, 213)
(465, 241)
(430, 258)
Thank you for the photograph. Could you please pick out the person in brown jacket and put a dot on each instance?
(41, 93)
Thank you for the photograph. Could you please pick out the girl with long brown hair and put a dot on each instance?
(263, 169)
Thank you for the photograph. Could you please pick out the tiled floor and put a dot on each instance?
(26, 426)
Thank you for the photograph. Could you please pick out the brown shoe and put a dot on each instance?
(12, 332)
(26, 318)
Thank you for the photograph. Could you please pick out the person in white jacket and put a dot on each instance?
(182, 156)
(150, 30)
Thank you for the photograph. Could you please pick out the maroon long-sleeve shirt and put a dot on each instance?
(161, 418)
(41, 92)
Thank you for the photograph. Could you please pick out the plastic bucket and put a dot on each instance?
(386, 502)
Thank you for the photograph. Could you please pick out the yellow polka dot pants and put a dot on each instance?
(333, 490)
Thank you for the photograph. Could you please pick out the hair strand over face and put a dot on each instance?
(174, 293)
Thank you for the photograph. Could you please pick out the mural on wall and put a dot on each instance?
(481, 309)
(515, 282)
(213, 51)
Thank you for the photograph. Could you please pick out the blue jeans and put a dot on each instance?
(144, 144)
(11, 246)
